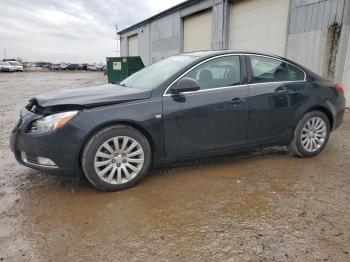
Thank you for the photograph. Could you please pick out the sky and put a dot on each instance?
(69, 31)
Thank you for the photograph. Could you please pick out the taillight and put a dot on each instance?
(340, 89)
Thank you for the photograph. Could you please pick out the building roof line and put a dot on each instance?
(163, 13)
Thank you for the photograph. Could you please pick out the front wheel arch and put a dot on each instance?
(142, 130)
(98, 140)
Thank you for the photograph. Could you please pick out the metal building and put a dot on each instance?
(314, 33)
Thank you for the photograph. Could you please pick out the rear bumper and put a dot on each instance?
(338, 119)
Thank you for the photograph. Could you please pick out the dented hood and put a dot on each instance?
(101, 94)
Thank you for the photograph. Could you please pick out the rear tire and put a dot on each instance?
(116, 157)
(311, 135)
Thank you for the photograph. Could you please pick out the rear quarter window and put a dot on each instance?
(267, 69)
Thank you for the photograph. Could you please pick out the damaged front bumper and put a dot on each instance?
(55, 152)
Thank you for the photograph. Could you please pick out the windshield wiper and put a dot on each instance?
(120, 84)
(125, 85)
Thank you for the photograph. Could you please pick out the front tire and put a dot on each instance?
(115, 158)
(311, 135)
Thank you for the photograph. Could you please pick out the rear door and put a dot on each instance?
(275, 93)
(213, 117)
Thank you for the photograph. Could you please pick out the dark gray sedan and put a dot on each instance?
(191, 105)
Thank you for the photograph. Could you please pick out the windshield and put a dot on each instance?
(153, 75)
(14, 63)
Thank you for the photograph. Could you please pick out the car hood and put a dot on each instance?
(101, 94)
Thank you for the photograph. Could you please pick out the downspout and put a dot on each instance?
(224, 16)
(288, 24)
(344, 53)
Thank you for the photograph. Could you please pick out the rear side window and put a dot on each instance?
(271, 70)
(219, 72)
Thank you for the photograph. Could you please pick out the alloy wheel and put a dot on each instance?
(313, 134)
(119, 160)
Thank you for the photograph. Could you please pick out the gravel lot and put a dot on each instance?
(260, 206)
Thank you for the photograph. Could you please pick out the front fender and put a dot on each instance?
(139, 114)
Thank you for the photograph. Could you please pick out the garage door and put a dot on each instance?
(346, 77)
(133, 45)
(259, 25)
(198, 32)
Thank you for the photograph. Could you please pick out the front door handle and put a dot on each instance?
(237, 101)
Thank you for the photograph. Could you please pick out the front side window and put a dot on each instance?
(271, 70)
(218, 72)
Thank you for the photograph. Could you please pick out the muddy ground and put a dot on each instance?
(260, 206)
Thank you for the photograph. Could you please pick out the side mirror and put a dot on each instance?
(185, 84)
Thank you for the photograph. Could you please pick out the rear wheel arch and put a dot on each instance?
(317, 134)
(300, 116)
(325, 111)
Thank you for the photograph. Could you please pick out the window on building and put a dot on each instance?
(271, 70)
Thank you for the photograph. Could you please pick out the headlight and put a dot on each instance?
(52, 122)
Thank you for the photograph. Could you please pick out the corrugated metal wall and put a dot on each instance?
(315, 35)
(346, 75)
(144, 37)
(311, 15)
(163, 37)
(318, 34)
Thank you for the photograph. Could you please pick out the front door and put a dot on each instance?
(212, 118)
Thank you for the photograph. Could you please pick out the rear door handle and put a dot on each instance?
(286, 92)
(237, 101)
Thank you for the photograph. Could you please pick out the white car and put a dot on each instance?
(17, 65)
(6, 67)
(55, 67)
(64, 66)
(99, 67)
(92, 67)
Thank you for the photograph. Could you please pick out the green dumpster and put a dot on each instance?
(119, 68)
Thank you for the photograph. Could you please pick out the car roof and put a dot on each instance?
(210, 53)
(202, 55)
